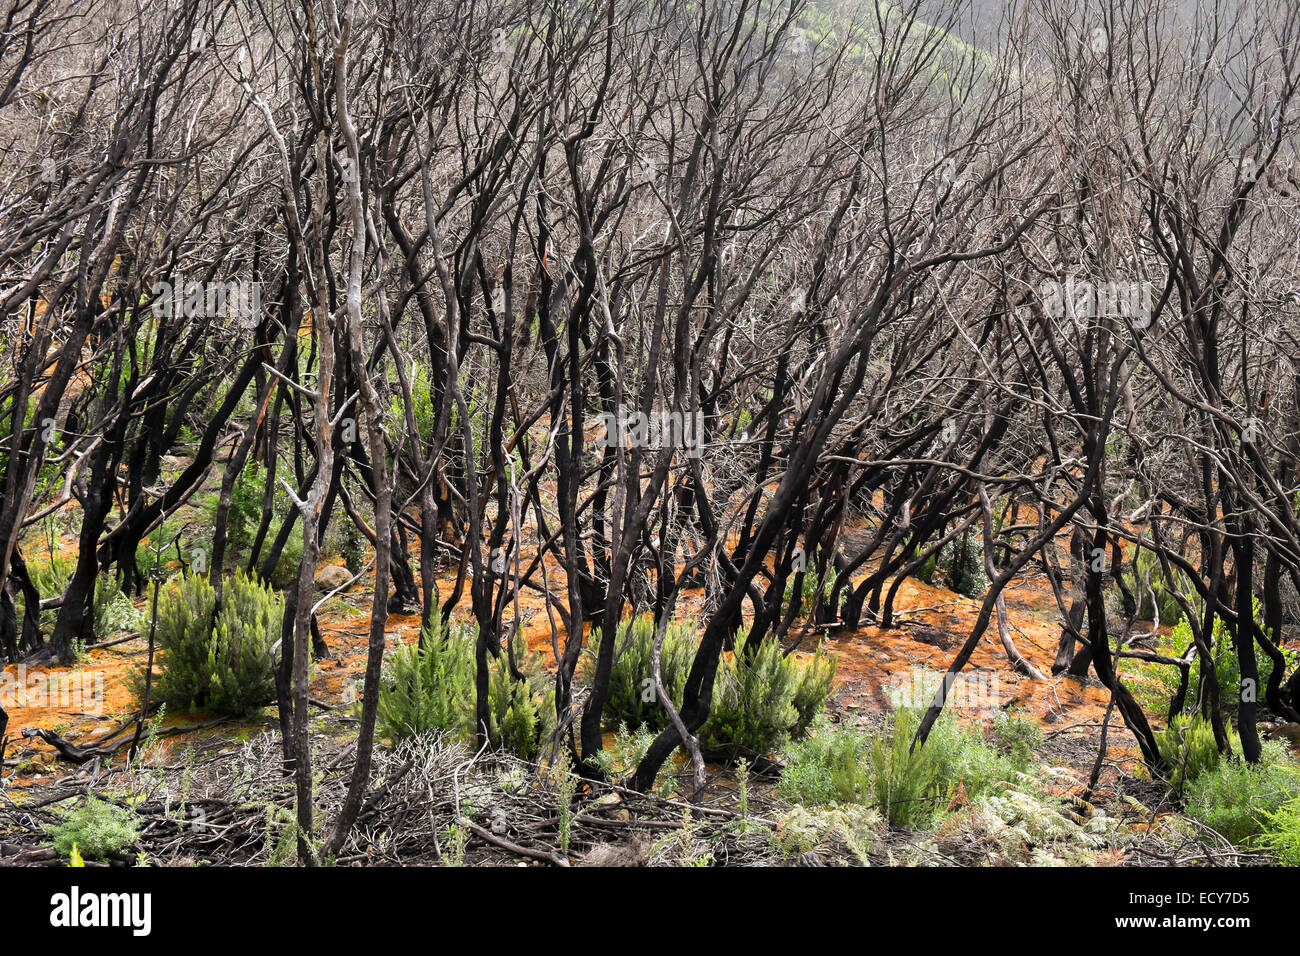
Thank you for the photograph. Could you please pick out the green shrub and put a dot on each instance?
(629, 746)
(752, 710)
(246, 495)
(848, 764)
(926, 572)
(51, 576)
(241, 667)
(185, 614)
(352, 547)
(808, 589)
(522, 712)
(433, 688)
(965, 761)
(757, 704)
(961, 562)
(905, 783)
(765, 698)
(632, 699)
(285, 573)
(1161, 680)
(1016, 737)
(426, 688)
(1189, 749)
(222, 665)
(164, 536)
(114, 612)
(97, 829)
(1281, 835)
(1149, 570)
(422, 409)
(827, 766)
(812, 690)
(1237, 799)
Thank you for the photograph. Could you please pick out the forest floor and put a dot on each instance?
(874, 666)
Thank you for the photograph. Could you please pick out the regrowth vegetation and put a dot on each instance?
(671, 337)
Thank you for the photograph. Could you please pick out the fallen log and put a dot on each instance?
(542, 855)
(76, 754)
(67, 750)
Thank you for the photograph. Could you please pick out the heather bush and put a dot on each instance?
(217, 661)
(96, 828)
(764, 697)
(632, 699)
(431, 687)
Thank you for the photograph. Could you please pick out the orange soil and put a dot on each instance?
(871, 661)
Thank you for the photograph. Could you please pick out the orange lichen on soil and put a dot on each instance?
(873, 663)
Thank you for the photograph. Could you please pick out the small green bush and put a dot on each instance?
(1189, 749)
(1149, 570)
(166, 536)
(827, 766)
(1016, 737)
(1237, 799)
(808, 589)
(114, 612)
(629, 746)
(961, 562)
(758, 703)
(841, 763)
(965, 760)
(220, 664)
(905, 783)
(926, 572)
(51, 576)
(762, 699)
(1161, 680)
(186, 607)
(812, 690)
(522, 712)
(632, 699)
(246, 496)
(433, 688)
(285, 573)
(423, 410)
(426, 688)
(1281, 835)
(352, 547)
(97, 828)
(240, 665)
